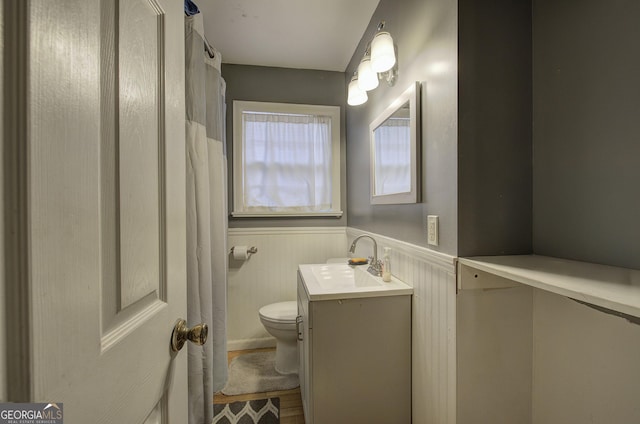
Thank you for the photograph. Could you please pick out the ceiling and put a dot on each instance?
(301, 34)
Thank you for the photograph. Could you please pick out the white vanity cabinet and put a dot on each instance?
(355, 356)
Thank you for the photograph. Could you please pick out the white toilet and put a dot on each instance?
(280, 321)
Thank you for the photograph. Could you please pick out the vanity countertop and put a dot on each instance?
(342, 281)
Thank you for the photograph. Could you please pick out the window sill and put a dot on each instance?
(331, 214)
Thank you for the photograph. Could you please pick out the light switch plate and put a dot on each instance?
(432, 230)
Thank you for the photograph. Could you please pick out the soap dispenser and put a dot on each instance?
(386, 265)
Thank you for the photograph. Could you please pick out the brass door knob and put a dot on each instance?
(181, 333)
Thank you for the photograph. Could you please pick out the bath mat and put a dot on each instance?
(255, 373)
(260, 411)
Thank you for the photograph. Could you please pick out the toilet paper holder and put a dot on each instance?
(250, 250)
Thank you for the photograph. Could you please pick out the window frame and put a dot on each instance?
(240, 106)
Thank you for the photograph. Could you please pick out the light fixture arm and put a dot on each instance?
(367, 50)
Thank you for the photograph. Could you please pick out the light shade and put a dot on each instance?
(355, 95)
(383, 54)
(367, 78)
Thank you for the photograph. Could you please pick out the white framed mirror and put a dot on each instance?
(395, 151)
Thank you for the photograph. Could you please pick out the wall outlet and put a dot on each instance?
(432, 229)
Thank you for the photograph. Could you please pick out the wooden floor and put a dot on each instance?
(290, 400)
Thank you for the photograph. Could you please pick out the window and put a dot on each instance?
(286, 159)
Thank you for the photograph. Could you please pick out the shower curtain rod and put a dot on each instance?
(190, 9)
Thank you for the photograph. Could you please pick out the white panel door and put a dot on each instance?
(100, 256)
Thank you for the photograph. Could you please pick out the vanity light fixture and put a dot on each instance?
(379, 63)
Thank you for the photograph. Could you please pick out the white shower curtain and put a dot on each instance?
(206, 220)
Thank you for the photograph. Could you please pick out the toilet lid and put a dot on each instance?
(282, 311)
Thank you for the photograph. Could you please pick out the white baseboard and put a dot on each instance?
(251, 343)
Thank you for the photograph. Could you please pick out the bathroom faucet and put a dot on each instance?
(375, 266)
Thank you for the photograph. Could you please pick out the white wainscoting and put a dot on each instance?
(433, 278)
(270, 275)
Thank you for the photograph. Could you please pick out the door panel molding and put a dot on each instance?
(132, 98)
(127, 323)
(15, 199)
(140, 143)
(159, 415)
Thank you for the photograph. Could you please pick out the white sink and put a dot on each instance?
(330, 276)
(341, 281)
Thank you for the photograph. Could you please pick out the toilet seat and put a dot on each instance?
(281, 312)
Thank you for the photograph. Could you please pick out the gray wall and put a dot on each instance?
(586, 135)
(425, 32)
(280, 85)
(475, 60)
(494, 141)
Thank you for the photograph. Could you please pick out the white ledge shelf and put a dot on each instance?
(613, 288)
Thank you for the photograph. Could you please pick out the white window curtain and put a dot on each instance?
(393, 175)
(287, 163)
